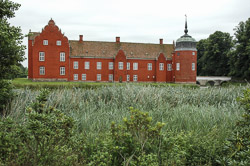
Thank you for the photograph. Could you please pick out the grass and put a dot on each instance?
(25, 83)
(182, 109)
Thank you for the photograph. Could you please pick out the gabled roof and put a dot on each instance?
(110, 49)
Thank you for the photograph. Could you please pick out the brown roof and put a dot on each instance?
(110, 49)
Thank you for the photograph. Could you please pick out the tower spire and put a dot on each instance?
(186, 30)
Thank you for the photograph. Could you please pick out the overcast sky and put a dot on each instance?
(140, 21)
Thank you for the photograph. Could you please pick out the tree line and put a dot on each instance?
(224, 55)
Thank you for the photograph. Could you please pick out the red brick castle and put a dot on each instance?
(52, 57)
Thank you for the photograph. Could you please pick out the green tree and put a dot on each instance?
(214, 54)
(240, 60)
(11, 49)
(200, 52)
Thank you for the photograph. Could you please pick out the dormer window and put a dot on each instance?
(45, 42)
(58, 42)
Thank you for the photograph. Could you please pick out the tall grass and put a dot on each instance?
(182, 109)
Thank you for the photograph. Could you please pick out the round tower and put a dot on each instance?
(185, 58)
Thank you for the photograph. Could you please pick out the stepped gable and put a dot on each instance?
(99, 49)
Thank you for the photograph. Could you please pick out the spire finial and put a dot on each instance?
(186, 30)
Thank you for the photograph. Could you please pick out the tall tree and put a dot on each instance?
(214, 58)
(11, 49)
(200, 52)
(240, 60)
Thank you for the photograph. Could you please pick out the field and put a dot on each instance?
(198, 121)
(181, 108)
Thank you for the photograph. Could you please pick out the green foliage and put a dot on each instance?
(240, 60)
(11, 50)
(136, 139)
(237, 148)
(6, 95)
(213, 54)
(45, 138)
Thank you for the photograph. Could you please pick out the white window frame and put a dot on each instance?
(128, 77)
(193, 66)
(128, 65)
(41, 70)
(86, 65)
(62, 56)
(150, 66)
(178, 66)
(58, 42)
(193, 53)
(111, 77)
(120, 65)
(75, 65)
(41, 56)
(111, 65)
(135, 66)
(161, 66)
(84, 77)
(169, 67)
(135, 78)
(99, 65)
(98, 77)
(62, 70)
(75, 77)
(45, 42)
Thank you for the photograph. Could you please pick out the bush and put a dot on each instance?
(237, 148)
(45, 138)
(6, 95)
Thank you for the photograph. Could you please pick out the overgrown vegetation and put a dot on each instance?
(44, 135)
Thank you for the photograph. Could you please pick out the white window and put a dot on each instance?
(84, 77)
(42, 70)
(128, 66)
(75, 76)
(75, 66)
(120, 65)
(149, 66)
(193, 66)
(62, 70)
(41, 56)
(161, 66)
(110, 77)
(135, 78)
(58, 42)
(169, 67)
(99, 77)
(177, 66)
(135, 66)
(193, 53)
(99, 65)
(86, 64)
(62, 56)
(128, 77)
(45, 42)
(111, 65)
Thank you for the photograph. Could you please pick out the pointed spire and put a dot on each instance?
(186, 30)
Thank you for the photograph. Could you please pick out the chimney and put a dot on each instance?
(161, 41)
(118, 40)
(80, 38)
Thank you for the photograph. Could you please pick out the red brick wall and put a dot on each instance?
(52, 62)
(185, 74)
(91, 73)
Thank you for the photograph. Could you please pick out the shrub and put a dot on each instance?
(237, 148)
(6, 95)
(45, 138)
